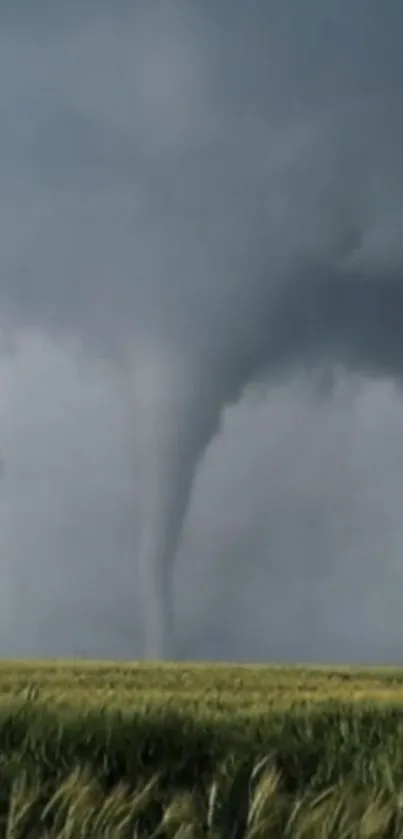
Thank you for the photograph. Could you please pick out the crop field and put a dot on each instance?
(196, 688)
(93, 750)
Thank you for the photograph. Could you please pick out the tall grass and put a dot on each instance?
(330, 772)
(233, 806)
(96, 751)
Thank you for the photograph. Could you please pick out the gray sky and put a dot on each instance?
(148, 153)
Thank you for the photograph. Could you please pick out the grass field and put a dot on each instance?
(197, 687)
(134, 751)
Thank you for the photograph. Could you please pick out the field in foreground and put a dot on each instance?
(90, 751)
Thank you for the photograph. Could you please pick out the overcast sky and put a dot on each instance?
(293, 545)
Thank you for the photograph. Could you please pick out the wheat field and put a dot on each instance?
(197, 687)
(104, 750)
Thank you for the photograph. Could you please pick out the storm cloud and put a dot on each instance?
(202, 203)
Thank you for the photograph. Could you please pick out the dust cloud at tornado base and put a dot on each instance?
(205, 222)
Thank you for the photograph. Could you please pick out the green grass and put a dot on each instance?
(197, 688)
(115, 750)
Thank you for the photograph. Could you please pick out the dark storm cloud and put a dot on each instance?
(214, 192)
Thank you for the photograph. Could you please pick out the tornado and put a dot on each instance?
(305, 275)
